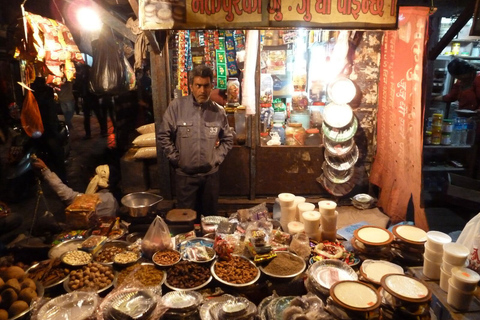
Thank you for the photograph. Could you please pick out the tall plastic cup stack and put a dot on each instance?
(433, 256)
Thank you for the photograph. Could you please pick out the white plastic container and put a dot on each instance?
(457, 298)
(431, 269)
(444, 277)
(465, 279)
(435, 256)
(448, 266)
(436, 240)
(455, 253)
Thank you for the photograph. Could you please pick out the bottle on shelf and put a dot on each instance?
(457, 128)
(463, 133)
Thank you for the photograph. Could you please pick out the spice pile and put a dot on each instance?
(284, 265)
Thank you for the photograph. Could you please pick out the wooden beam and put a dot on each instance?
(150, 35)
(461, 21)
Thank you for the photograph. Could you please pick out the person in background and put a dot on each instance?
(66, 98)
(195, 138)
(219, 96)
(50, 143)
(99, 184)
(466, 89)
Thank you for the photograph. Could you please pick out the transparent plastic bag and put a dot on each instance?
(157, 238)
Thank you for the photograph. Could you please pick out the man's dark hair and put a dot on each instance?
(200, 71)
(458, 67)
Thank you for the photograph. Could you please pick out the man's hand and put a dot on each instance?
(39, 164)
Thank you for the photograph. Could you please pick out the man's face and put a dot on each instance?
(201, 89)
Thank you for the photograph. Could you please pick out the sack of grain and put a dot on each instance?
(145, 140)
(147, 128)
(146, 153)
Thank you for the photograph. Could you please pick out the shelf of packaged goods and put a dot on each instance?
(442, 168)
(446, 147)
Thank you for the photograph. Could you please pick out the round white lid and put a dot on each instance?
(355, 294)
(374, 235)
(411, 233)
(465, 275)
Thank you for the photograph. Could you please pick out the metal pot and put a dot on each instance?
(139, 204)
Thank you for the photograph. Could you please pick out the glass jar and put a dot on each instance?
(299, 101)
(447, 125)
(446, 139)
(294, 134)
(312, 137)
(240, 129)
(277, 134)
(264, 138)
(233, 92)
(266, 89)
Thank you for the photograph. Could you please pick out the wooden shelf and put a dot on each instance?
(441, 168)
(446, 147)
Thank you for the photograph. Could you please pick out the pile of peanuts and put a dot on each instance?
(126, 257)
(238, 270)
(76, 257)
(166, 257)
(92, 276)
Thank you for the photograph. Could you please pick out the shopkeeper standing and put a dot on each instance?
(466, 88)
(195, 138)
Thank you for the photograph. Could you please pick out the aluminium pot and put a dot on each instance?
(139, 204)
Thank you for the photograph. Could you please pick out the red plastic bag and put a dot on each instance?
(31, 118)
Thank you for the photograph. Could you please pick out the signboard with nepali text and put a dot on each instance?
(258, 14)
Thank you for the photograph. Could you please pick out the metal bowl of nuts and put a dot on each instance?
(126, 258)
(94, 276)
(188, 276)
(109, 250)
(76, 258)
(166, 258)
(237, 272)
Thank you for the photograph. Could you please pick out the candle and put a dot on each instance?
(286, 199)
(295, 227)
(329, 226)
(296, 202)
(327, 207)
(302, 207)
(311, 221)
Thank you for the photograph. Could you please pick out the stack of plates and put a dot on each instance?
(409, 243)
(341, 153)
(373, 242)
(363, 201)
(323, 274)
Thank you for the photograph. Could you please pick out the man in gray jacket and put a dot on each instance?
(195, 138)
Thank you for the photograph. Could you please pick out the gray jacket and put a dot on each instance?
(195, 138)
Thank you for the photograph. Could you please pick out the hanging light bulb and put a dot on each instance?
(89, 19)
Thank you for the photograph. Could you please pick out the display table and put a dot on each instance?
(439, 305)
(348, 215)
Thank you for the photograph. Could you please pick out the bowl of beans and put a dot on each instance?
(188, 276)
(166, 258)
(76, 258)
(236, 272)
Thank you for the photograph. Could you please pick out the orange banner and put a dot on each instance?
(255, 14)
(397, 168)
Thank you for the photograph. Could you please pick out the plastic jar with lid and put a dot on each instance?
(446, 139)
(447, 125)
(294, 134)
(312, 137)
